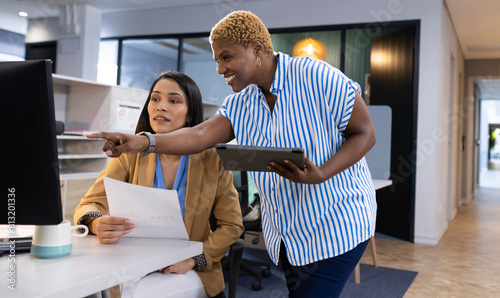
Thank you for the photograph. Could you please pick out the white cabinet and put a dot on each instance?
(90, 106)
(79, 157)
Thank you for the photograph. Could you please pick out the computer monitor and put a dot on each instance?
(31, 171)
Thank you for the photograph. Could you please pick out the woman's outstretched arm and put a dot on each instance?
(188, 140)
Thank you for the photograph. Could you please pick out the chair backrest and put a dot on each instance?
(240, 181)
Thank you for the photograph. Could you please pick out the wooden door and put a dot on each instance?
(392, 68)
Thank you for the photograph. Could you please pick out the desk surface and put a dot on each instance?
(92, 267)
(378, 183)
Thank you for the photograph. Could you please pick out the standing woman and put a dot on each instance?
(316, 222)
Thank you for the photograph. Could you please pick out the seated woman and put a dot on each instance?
(202, 184)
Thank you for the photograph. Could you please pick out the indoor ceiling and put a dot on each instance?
(488, 89)
(477, 22)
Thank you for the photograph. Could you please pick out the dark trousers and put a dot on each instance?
(325, 278)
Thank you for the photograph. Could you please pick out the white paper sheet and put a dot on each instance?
(155, 212)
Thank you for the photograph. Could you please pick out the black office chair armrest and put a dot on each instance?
(235, 256)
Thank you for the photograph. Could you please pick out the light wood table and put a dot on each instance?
(377, 184)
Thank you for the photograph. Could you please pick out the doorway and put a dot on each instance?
(488, 96)
(43, 50)
(488, 165)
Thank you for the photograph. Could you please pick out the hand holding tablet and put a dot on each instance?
(257, 158)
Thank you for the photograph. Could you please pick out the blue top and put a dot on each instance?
(314, 104)
(180, 179)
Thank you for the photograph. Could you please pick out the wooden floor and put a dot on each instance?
(465, 263)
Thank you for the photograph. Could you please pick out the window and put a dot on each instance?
(284, 42)
(107, 65)
(144, 59)
(199, 64)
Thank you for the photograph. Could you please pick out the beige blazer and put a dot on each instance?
(209, 189)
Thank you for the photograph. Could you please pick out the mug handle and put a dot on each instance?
(80, 227)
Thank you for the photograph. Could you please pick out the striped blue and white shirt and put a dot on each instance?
(313, 106)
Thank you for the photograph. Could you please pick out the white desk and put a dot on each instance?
(92, 267)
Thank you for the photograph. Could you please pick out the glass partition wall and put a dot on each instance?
(198, 63)
(136, 61)
(331, 40)
(142, 60)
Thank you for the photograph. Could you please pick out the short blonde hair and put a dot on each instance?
(242, 27)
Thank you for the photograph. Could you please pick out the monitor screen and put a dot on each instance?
(31, 173)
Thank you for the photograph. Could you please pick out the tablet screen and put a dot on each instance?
(256, 158)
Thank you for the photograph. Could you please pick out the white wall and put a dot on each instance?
(201, 18)
(438, 136)
(78, 49)
(42, 30)
(453, 112)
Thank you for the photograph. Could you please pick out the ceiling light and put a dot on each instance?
(23, 14)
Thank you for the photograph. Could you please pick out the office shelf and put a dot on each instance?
(84, 105)
(90, 106)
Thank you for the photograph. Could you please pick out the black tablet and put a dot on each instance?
(256, 158)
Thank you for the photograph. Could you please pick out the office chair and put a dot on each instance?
(254, 228)
(232, 260)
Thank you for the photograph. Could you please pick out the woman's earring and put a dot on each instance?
(259, 62)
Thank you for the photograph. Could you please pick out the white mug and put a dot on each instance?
(54, 241)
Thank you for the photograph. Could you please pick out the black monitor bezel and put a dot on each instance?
(32, 165)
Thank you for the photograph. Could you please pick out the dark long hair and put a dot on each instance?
(189, 87)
